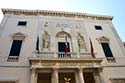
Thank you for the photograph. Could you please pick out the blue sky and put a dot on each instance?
(114, 8)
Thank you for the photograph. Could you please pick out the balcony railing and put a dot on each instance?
(62, 55)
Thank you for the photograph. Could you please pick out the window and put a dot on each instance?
(22, 23)
(63, 50)
(108, 52)
(15, 50)
(61, 47)
(104, 41)
(98, 27)
(106, 49)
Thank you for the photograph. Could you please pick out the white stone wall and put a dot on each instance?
(113, 72)
(53, 29)
(28, 45)
(36, 26)
(19, 74)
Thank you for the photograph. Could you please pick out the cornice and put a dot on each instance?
(56, 13)
(99, 60)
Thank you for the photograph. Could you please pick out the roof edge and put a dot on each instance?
(55, 13)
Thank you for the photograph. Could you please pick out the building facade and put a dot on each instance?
(123, 44)
(40, 46)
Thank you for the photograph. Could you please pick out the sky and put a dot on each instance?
(115, 8)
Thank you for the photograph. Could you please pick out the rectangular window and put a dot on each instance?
(61, 47)
(64, 49)
(22, 23)
(98, 27)
(15, 50)
(107, 50)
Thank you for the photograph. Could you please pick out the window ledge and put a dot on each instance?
(12, 59)
(111, 59)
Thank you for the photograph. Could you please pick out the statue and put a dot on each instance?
(80, 40)
(45, 40)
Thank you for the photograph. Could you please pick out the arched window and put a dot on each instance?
(64, 43)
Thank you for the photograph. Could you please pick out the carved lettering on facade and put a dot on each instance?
(62, 25)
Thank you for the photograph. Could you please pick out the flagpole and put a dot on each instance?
(66, 45)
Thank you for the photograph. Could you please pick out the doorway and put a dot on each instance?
(44, 78)
(68, 77)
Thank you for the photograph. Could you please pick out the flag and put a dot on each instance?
(37, 44)
(66, 45)
(91, 47)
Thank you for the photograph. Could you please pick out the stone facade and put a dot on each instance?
(59, 47)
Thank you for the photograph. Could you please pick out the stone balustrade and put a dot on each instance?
(62, 55)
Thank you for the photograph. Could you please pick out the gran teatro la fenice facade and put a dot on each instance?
(41, 46)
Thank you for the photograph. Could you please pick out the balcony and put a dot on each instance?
(71, 55)
(64, 60)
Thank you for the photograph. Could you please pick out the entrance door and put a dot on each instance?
(67, 78)
(89, 77)
(44, 78)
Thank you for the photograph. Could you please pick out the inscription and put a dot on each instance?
(62, 25)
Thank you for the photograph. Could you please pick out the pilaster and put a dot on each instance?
(34, 76)
(80, 73)
(55, 75)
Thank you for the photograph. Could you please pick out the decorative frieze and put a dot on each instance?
(64, 63)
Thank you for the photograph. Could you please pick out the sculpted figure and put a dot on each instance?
(45, 40)
(80, 41)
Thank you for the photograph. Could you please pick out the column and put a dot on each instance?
(34, 76)
(55, 76)
(81, 78)
(96, 76)
(101, 75)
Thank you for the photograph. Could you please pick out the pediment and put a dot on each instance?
(18, 36)
(103, 39)
(19, 33)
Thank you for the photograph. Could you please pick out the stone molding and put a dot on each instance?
(56, 13)
(65, 63)
(118, 80)
(103, 39)
(18, 36)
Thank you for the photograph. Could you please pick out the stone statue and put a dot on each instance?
(45, 40)
(80, 40)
